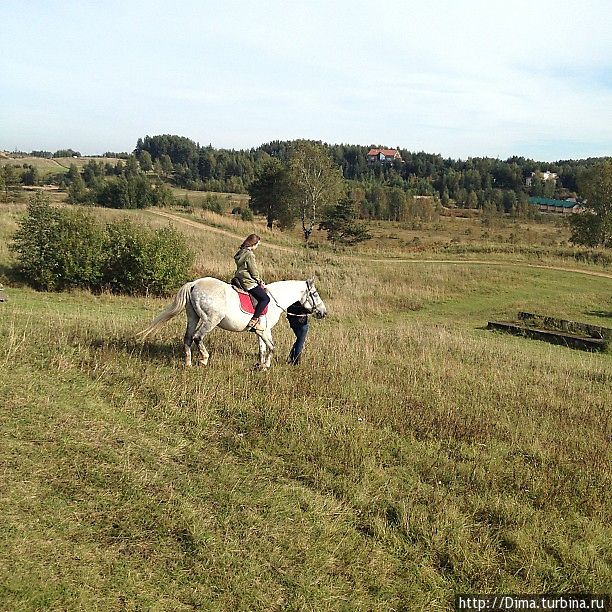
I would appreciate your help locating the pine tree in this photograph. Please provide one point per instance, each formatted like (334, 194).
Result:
(341, 225)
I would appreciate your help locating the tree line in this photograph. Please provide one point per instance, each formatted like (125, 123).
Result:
(303, 180)
(124, 185)
(286, 179)
(473, 183)
(468, 182)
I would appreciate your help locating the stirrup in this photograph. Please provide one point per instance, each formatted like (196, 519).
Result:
(255, 325)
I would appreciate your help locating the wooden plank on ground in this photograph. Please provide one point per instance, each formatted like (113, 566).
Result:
(556, 337)
(571, 327)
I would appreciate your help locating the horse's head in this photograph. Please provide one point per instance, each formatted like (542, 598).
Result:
(311, 300)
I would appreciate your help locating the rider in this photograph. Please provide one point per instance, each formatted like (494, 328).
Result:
(249, 279)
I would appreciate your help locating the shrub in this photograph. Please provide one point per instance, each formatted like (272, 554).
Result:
(126, 192)
(62, 249)
(58, 249)
(163, 195)
(215, 203)
(140, 260)
(78, 192)
(246, 214)
(341, 225)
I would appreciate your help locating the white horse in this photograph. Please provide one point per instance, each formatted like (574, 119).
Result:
(212, 303)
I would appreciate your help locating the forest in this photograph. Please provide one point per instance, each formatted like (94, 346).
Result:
(470, 183)
(379, 190)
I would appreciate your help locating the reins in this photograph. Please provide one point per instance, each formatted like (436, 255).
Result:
(290, 314)
(276, 302)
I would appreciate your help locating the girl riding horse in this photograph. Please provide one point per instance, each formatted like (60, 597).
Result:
(248, 277)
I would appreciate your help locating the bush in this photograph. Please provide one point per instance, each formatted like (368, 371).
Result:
(246, 214)
(58, 249)
(215, 203)
(63, 249)
(163, 195)
(140, 260)
(126, 192)
(341, 225)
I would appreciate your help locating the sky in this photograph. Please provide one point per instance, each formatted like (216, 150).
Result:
(467, 78)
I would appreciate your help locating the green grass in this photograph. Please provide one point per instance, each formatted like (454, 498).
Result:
(412, 456)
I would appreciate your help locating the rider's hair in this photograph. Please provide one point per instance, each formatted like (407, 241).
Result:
(250, 240)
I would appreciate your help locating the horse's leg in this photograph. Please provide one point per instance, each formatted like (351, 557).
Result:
(207, 324)
(192, 323)
(270, 347)
(262, 353)
(204, 354)
(266, 337)
(266, 348)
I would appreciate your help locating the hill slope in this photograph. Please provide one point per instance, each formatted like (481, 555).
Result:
(412, 456)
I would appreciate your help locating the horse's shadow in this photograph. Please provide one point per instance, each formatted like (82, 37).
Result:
(161, 352)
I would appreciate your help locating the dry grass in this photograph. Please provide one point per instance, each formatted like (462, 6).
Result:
(551, 231)
(55, 165)
(411, 456)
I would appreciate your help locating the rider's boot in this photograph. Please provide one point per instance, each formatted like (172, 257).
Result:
(255, 325)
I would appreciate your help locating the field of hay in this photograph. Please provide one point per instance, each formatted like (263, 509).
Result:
(413, 455)
(56, 165)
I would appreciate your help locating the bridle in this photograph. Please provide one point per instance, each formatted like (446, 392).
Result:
(312, 294)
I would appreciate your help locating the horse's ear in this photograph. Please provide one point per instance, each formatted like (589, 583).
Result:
(312, 279)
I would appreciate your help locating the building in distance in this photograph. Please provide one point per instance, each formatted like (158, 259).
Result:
(543, 176)
(383, 156)
(564, 207)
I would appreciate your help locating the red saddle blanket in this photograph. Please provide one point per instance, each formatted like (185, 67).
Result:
(247, 304)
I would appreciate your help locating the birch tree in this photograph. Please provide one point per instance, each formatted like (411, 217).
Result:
(316, 180)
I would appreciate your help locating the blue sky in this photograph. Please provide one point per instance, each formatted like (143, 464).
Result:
(469, 78)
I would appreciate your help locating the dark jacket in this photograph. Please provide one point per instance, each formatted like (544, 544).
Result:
(296, 314)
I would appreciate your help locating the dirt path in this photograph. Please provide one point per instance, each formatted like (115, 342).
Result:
(214, 230)
(58, 164)
(478, 262)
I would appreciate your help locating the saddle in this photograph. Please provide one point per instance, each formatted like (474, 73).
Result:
(247, 301)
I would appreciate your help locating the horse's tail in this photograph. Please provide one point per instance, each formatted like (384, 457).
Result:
(180, 301)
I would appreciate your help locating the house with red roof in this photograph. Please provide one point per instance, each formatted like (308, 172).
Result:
(384, 155)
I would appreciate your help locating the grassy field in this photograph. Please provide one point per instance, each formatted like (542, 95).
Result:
(412, 456)
(196, 198)
(56, 165)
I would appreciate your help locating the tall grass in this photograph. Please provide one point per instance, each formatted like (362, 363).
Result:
(411, 456)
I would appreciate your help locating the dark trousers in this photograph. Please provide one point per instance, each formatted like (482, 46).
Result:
(300, 330)
(263, 299)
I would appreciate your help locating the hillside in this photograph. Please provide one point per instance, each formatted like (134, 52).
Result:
(412, 456)
(56, 165)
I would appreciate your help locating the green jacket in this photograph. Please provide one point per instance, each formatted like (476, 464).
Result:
(246, 269)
